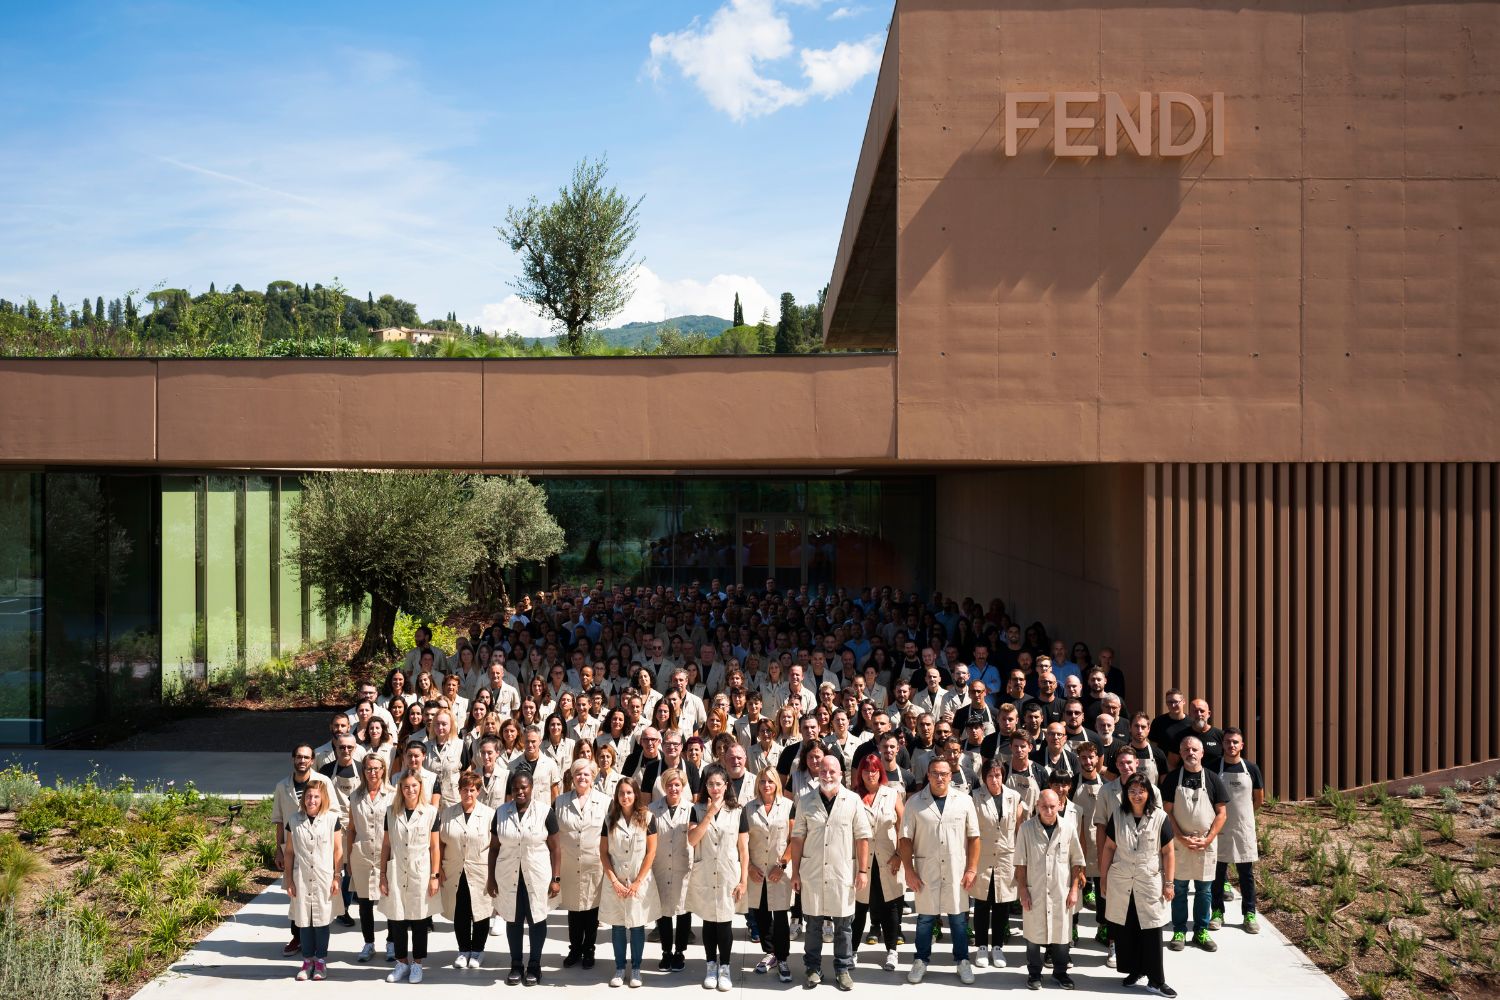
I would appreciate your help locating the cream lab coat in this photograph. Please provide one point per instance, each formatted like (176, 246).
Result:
(1049, 863)
(409, 873)
(466, 853)
(523, 855)
(939, 845)
(827, 869)
(578, 824)
(367, 815)
(312, 840)
(1135, 872)
(627, 852)
(492, 792)
(445, 761)
(884, 841)
(285, 804)
(997, 843)
(716, 867)
(770, 830)
(674, 859)
(1085, 799)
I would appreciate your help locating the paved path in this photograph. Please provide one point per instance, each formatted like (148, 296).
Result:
(246, 775)
(242, 959)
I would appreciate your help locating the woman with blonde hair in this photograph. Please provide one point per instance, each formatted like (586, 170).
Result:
(362, 843)
(578, 815)
(769, 816)
(410, 859)
(627, 849)
(607, 777)
(464, 838)
(674, 861)
(314, 855)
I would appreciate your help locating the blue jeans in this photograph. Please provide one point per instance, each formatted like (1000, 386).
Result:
(637, 946)
(1202, 905)
(958, 927)
(314, 942)
(843, 944)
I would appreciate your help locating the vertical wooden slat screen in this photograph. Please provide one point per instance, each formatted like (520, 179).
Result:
(1343, 614)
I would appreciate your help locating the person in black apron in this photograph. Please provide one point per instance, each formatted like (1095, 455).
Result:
(1238, 845)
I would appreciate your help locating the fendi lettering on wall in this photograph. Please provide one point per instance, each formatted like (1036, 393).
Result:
(1169, 123)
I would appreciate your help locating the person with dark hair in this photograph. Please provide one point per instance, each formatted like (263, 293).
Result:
(627, 849)
(1000, 815)
(314, 848)
(1137, 863)
(464, 837)
(524, 875)
(1238, 845)
(940, 852)
(720, 839)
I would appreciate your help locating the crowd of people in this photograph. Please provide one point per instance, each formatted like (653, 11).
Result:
(814, 763)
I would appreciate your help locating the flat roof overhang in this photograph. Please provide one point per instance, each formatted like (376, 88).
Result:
(860, 311)
(807, 412)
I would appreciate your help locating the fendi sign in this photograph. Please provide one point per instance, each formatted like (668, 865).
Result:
(1181, 123)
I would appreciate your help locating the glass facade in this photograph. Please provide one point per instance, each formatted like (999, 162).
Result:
(673, 530)
(117, 588)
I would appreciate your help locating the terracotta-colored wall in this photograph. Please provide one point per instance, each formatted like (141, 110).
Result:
(815, 412)
(1343, 614)
(1060, 544)
(1327, 289)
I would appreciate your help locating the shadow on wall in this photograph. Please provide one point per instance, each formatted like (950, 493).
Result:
(993, 222)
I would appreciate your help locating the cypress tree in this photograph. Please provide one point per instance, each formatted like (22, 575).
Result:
(739, 311)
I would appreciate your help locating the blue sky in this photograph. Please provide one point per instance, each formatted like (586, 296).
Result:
(167, 143)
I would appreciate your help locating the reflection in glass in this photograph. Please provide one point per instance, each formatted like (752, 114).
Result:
(20, 607)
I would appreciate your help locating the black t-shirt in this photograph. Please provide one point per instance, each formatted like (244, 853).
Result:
(699, 810)
(1166, 830)
(1244, 766)
(1052, 711)
(604, 830)
(1167, 732)
(1218, 794)
(337, 825)
(1151, 750)
(1213, 745)
(437, 819)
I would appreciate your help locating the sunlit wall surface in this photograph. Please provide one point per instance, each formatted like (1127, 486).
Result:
(673, 530)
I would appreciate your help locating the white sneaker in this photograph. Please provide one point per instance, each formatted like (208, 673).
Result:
(617, 980)
(965, 973)
(476, 959)
(635, 979)
(1111, 960)
(724, 984)
(711, 977)
(890, 960)
(918, 970)
(462, 961)
(997, 958)
(399, 973)
(366, 953)
(416, 974)
(981, 958)
(796, 928)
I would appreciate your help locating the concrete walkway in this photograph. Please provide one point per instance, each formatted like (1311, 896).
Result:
(242, 959)
(240, 775)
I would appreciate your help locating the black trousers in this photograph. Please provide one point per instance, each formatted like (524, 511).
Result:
(718, 940)
(673, 932)
(991, 920)
(884, 915)
(583, 931)
(1246, 872)
(418, 931)
(1137, 948)
(367, 919)
(471, 933)
(1036, 954)
(775, 926)
(515, 931)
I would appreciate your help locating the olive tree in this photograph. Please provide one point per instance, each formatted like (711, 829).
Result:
(411, 540)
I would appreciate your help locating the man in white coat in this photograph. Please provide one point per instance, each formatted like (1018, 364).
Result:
(830, 849)
(1049, 877)
(939, 848)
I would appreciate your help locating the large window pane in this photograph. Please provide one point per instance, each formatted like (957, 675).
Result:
(257, 574)
(641, 512)
(703, 538)
(581, 506)
(182, 637)
(221, 590)
(133, 621)
(20, 607)
(77, 525)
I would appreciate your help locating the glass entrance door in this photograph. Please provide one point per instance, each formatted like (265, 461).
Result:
(772, 546)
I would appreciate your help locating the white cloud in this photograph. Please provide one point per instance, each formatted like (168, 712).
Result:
(725, 56)
(832, 71)
(843, 13)
(654, 298)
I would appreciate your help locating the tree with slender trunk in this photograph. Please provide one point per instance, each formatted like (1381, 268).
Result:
(576, 265)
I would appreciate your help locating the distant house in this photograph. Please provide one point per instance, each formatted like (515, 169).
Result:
(390, 334)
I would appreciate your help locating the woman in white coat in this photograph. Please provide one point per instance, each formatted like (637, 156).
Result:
(409, 862)
(720, 839)
(314, 856)
(523, 875)
(1137, 862)
(464, 836)
(363, 838)
(627, 849)
(1000, 813)
(674, 861)
(579, 816)
(769, 816)
(880, 900)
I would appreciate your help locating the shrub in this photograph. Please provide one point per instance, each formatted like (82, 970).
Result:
(444, 637)
(17, 865)
(1445, 826)
(1373, 984)
(57, 959)
(17, 788)
(1415, 792)
(1442, 875)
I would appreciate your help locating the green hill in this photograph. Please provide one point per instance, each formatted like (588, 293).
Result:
(634, 334)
